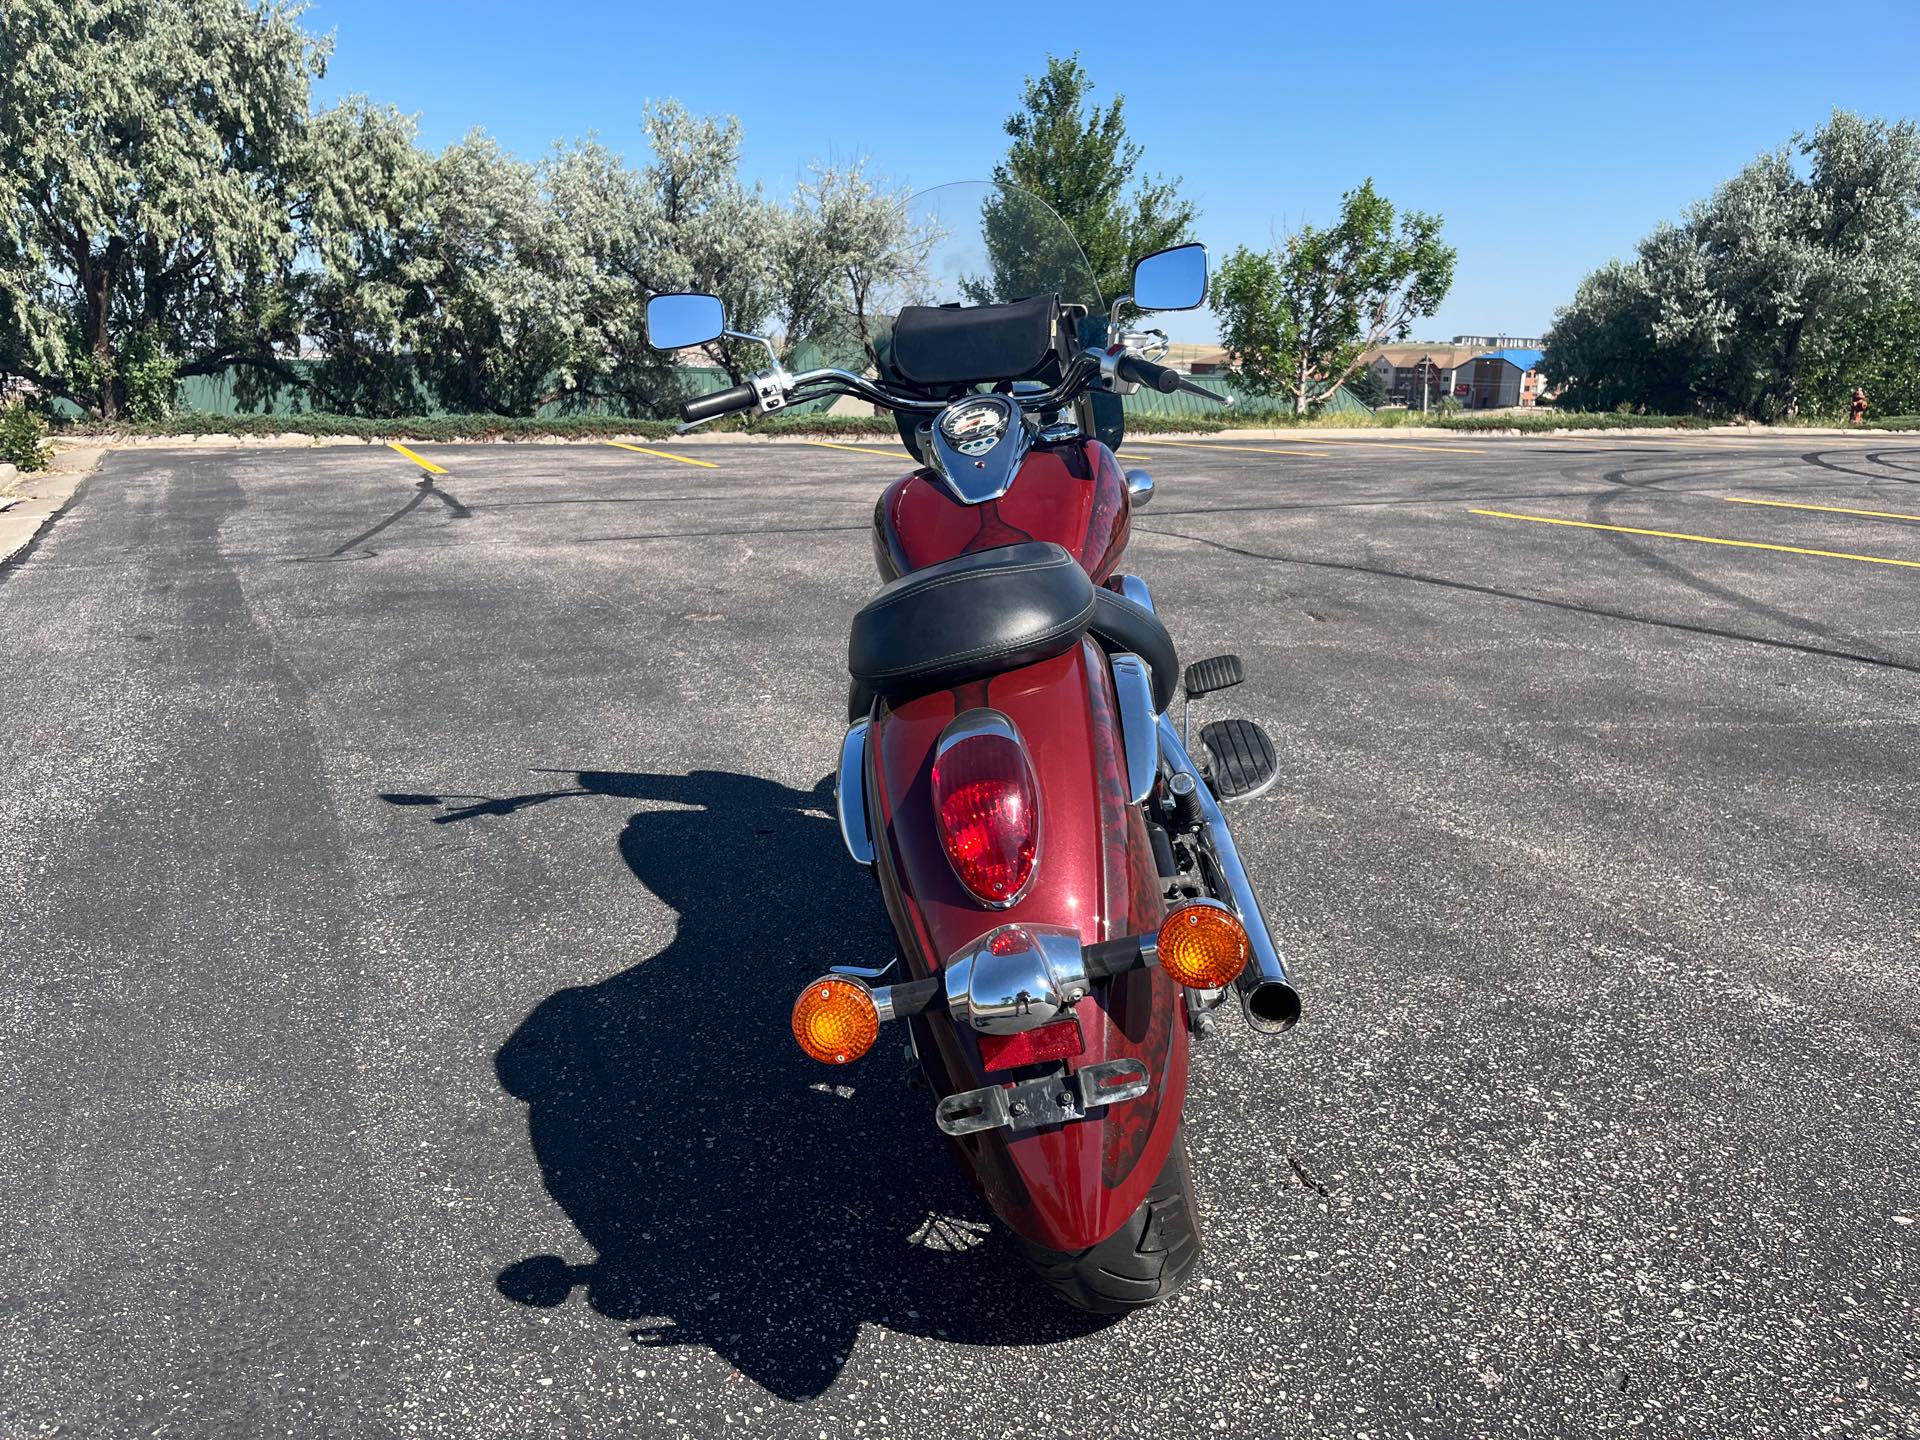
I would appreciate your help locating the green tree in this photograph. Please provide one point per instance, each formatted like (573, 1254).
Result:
(1367, 387)
(1078, 158)
(368, 210)
(145, 154)
(702, 229)
(23, 436)
(1881, 356)
(1295, 320)
(496, 285)
(503, 326)
(1767, 295)
(848, 254)
(1602, 352)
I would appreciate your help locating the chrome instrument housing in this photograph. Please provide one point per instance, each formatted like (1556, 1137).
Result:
(976, 445)
(1016, 977)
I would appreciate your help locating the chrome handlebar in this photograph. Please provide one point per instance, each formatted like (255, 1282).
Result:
(776, 388)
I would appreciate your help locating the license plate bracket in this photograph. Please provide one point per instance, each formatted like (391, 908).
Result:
(1049, 1100)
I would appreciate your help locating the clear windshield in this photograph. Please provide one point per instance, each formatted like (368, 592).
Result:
(972, 243)
(991, 243)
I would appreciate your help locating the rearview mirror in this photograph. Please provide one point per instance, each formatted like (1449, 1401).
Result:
(1173, 279)
(676, 321)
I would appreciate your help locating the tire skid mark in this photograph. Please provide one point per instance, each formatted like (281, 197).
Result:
(1665, 562)
(1570, 606)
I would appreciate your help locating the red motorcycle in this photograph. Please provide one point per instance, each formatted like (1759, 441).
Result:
(1068, 902)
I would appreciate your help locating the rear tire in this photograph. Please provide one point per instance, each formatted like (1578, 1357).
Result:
(1145, 1260)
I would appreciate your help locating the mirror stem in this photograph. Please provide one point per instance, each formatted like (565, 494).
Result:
(772, 354)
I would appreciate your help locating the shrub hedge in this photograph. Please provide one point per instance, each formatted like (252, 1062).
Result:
(494, 427)
(593, 427)
(22, 438)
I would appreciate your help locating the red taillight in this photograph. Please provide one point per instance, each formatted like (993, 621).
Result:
(1058, 1041)
(987, 802)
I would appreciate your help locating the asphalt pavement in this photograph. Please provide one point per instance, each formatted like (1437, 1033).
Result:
(405, 873)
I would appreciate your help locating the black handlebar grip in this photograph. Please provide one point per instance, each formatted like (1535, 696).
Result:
(721, 402)
(1145, 372)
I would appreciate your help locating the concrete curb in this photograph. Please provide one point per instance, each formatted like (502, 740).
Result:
(43, 495)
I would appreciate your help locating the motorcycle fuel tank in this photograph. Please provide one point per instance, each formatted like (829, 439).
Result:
(1072, 493)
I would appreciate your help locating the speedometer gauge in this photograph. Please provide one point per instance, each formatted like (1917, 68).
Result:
(974, 427)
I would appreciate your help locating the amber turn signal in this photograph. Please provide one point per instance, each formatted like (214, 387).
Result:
(835, 1020)
(1203, 945)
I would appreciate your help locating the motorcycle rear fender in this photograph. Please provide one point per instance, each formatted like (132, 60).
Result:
(1065, 1186)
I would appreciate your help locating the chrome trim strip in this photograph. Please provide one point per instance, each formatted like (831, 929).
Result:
(854, 829)
(1267, 996)
(1133, 688)
(1135, 589)
(981, 720)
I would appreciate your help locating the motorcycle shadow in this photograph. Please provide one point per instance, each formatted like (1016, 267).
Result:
(735, 1194)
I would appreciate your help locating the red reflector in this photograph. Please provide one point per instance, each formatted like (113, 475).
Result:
(987, 802)
(1058, 1041)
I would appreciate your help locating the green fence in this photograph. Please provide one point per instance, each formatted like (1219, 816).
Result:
(234, 392)
(1152, 402)
(237, 392)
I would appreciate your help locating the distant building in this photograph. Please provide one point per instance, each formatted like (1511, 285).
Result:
(1500, 380)
(1474, 378)
(1404, 371)
(1196, 359)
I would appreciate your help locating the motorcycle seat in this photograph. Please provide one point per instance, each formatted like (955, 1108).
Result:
(973, 616)
(989, 612)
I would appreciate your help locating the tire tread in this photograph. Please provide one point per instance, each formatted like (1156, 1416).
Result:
(1144, 1261)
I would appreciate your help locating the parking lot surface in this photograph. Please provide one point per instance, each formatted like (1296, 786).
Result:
(407, 861)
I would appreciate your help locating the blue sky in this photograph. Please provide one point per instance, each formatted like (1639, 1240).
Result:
(1550, 137)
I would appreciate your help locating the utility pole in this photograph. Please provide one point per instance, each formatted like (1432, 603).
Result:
(1426, 381)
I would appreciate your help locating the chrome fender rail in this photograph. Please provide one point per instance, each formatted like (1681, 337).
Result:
(850, 794)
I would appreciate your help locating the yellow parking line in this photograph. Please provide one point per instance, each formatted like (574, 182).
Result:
(1830, 509)
(663, 455)
(1250, 449)
(1118, 456)
(872, 452)
(1701, 539)
(420, 460)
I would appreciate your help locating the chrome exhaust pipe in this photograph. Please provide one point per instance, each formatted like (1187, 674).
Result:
(1267, 996)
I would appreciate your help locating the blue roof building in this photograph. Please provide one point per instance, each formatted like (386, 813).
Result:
(1521, 360)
